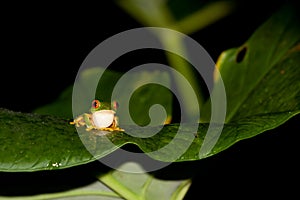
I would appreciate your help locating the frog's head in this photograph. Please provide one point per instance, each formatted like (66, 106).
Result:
(97, 105)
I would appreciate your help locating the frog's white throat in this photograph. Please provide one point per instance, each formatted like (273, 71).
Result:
(103, 118)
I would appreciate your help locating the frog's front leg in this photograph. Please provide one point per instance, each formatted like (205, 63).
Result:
(79, 121)
(83, 120)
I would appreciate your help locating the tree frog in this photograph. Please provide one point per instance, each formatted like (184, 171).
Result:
(101, 117)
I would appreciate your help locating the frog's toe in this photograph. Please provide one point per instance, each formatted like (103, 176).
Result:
(106, 129)
(119, 129)
(89, 128)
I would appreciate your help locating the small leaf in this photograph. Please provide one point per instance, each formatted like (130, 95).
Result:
(143, 186)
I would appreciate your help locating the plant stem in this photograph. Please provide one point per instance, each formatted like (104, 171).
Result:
(181, 190)
(118, 187)
(190, 105)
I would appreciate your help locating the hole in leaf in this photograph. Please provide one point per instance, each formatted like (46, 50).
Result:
(241, 54)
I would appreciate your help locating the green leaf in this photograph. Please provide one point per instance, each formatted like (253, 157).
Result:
(45, 142)
(143, 186)
(152, 146)
(31, 142)
(262, 75)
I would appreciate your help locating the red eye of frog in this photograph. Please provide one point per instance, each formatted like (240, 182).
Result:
(96, 104)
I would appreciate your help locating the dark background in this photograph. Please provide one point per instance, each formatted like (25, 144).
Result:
(44, 45)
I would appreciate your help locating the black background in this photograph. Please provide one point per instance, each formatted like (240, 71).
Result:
(44, 45)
